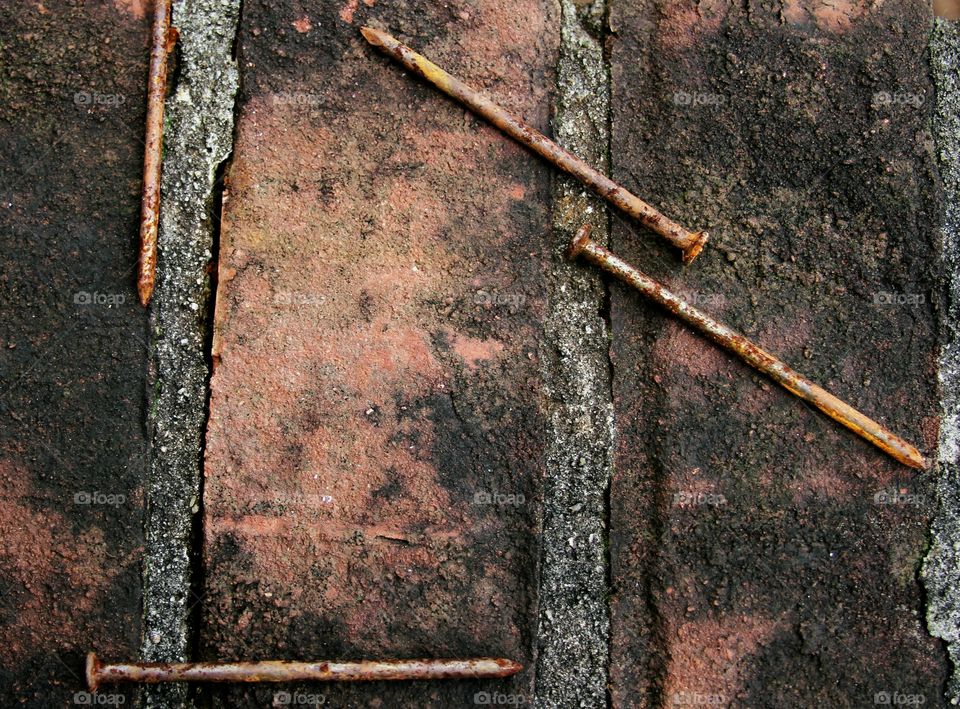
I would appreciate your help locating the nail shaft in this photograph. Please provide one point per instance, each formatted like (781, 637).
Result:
(285, 671)
(690, 243)
(750, 353)
(161, 43)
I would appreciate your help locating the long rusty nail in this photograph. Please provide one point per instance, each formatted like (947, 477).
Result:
(750, 353)
(162, 40)
(288, 671)
(691, 243)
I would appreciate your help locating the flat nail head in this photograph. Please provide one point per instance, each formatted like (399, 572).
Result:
(579, 243)
(93, 671)
(692, 251)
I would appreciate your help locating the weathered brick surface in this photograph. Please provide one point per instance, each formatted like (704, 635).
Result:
(376, 349)
(72, 443)
(799, 135)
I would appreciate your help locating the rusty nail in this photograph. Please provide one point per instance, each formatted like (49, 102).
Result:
(750, 353)
(691, 243)
(288, 671)
(162, 41)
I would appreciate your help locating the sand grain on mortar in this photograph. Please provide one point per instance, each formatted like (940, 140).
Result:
(573, 632)
(941, 564)
(198, 136)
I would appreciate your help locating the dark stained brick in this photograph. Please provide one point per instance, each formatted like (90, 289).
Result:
(799, 136)
(72, 338)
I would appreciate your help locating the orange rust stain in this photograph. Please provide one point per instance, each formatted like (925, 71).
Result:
(473, 351)
(947, 9)
(43, 558)
(929, 431)
(137, 8)
(795, 12)
(517, 192)
(302, 24)
(699, 357)
(823, 483)
(682, 27)
(710, 655)
(346, 12)
(695, 482)
(838, 15)
(834, 16)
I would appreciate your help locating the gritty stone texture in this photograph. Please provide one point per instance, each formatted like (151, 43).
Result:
(376, 444)
(573, 624)
(942, 566)
(761, 555)
(72, 345)
(198, 138)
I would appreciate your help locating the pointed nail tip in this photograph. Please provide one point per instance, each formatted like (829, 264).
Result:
(511, 668)
(373, 36)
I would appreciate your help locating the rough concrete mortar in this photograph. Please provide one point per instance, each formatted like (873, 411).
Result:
(942, 567)
(198, 138)
(573, 620)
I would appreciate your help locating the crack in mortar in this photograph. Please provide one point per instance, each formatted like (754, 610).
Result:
(572, 655)
(198, 140)
(941, 571)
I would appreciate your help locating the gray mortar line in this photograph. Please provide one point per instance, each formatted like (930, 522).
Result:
(941, 570)
(572, 654)
(198, 138)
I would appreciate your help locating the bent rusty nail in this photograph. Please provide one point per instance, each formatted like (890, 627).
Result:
(288, 671)
(162, 40)
(690, 243)
(750, 353)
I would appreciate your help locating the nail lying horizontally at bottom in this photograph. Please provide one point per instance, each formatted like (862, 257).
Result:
(734, 342)
(289, 671)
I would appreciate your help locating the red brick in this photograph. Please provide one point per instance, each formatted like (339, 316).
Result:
(376, 348)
